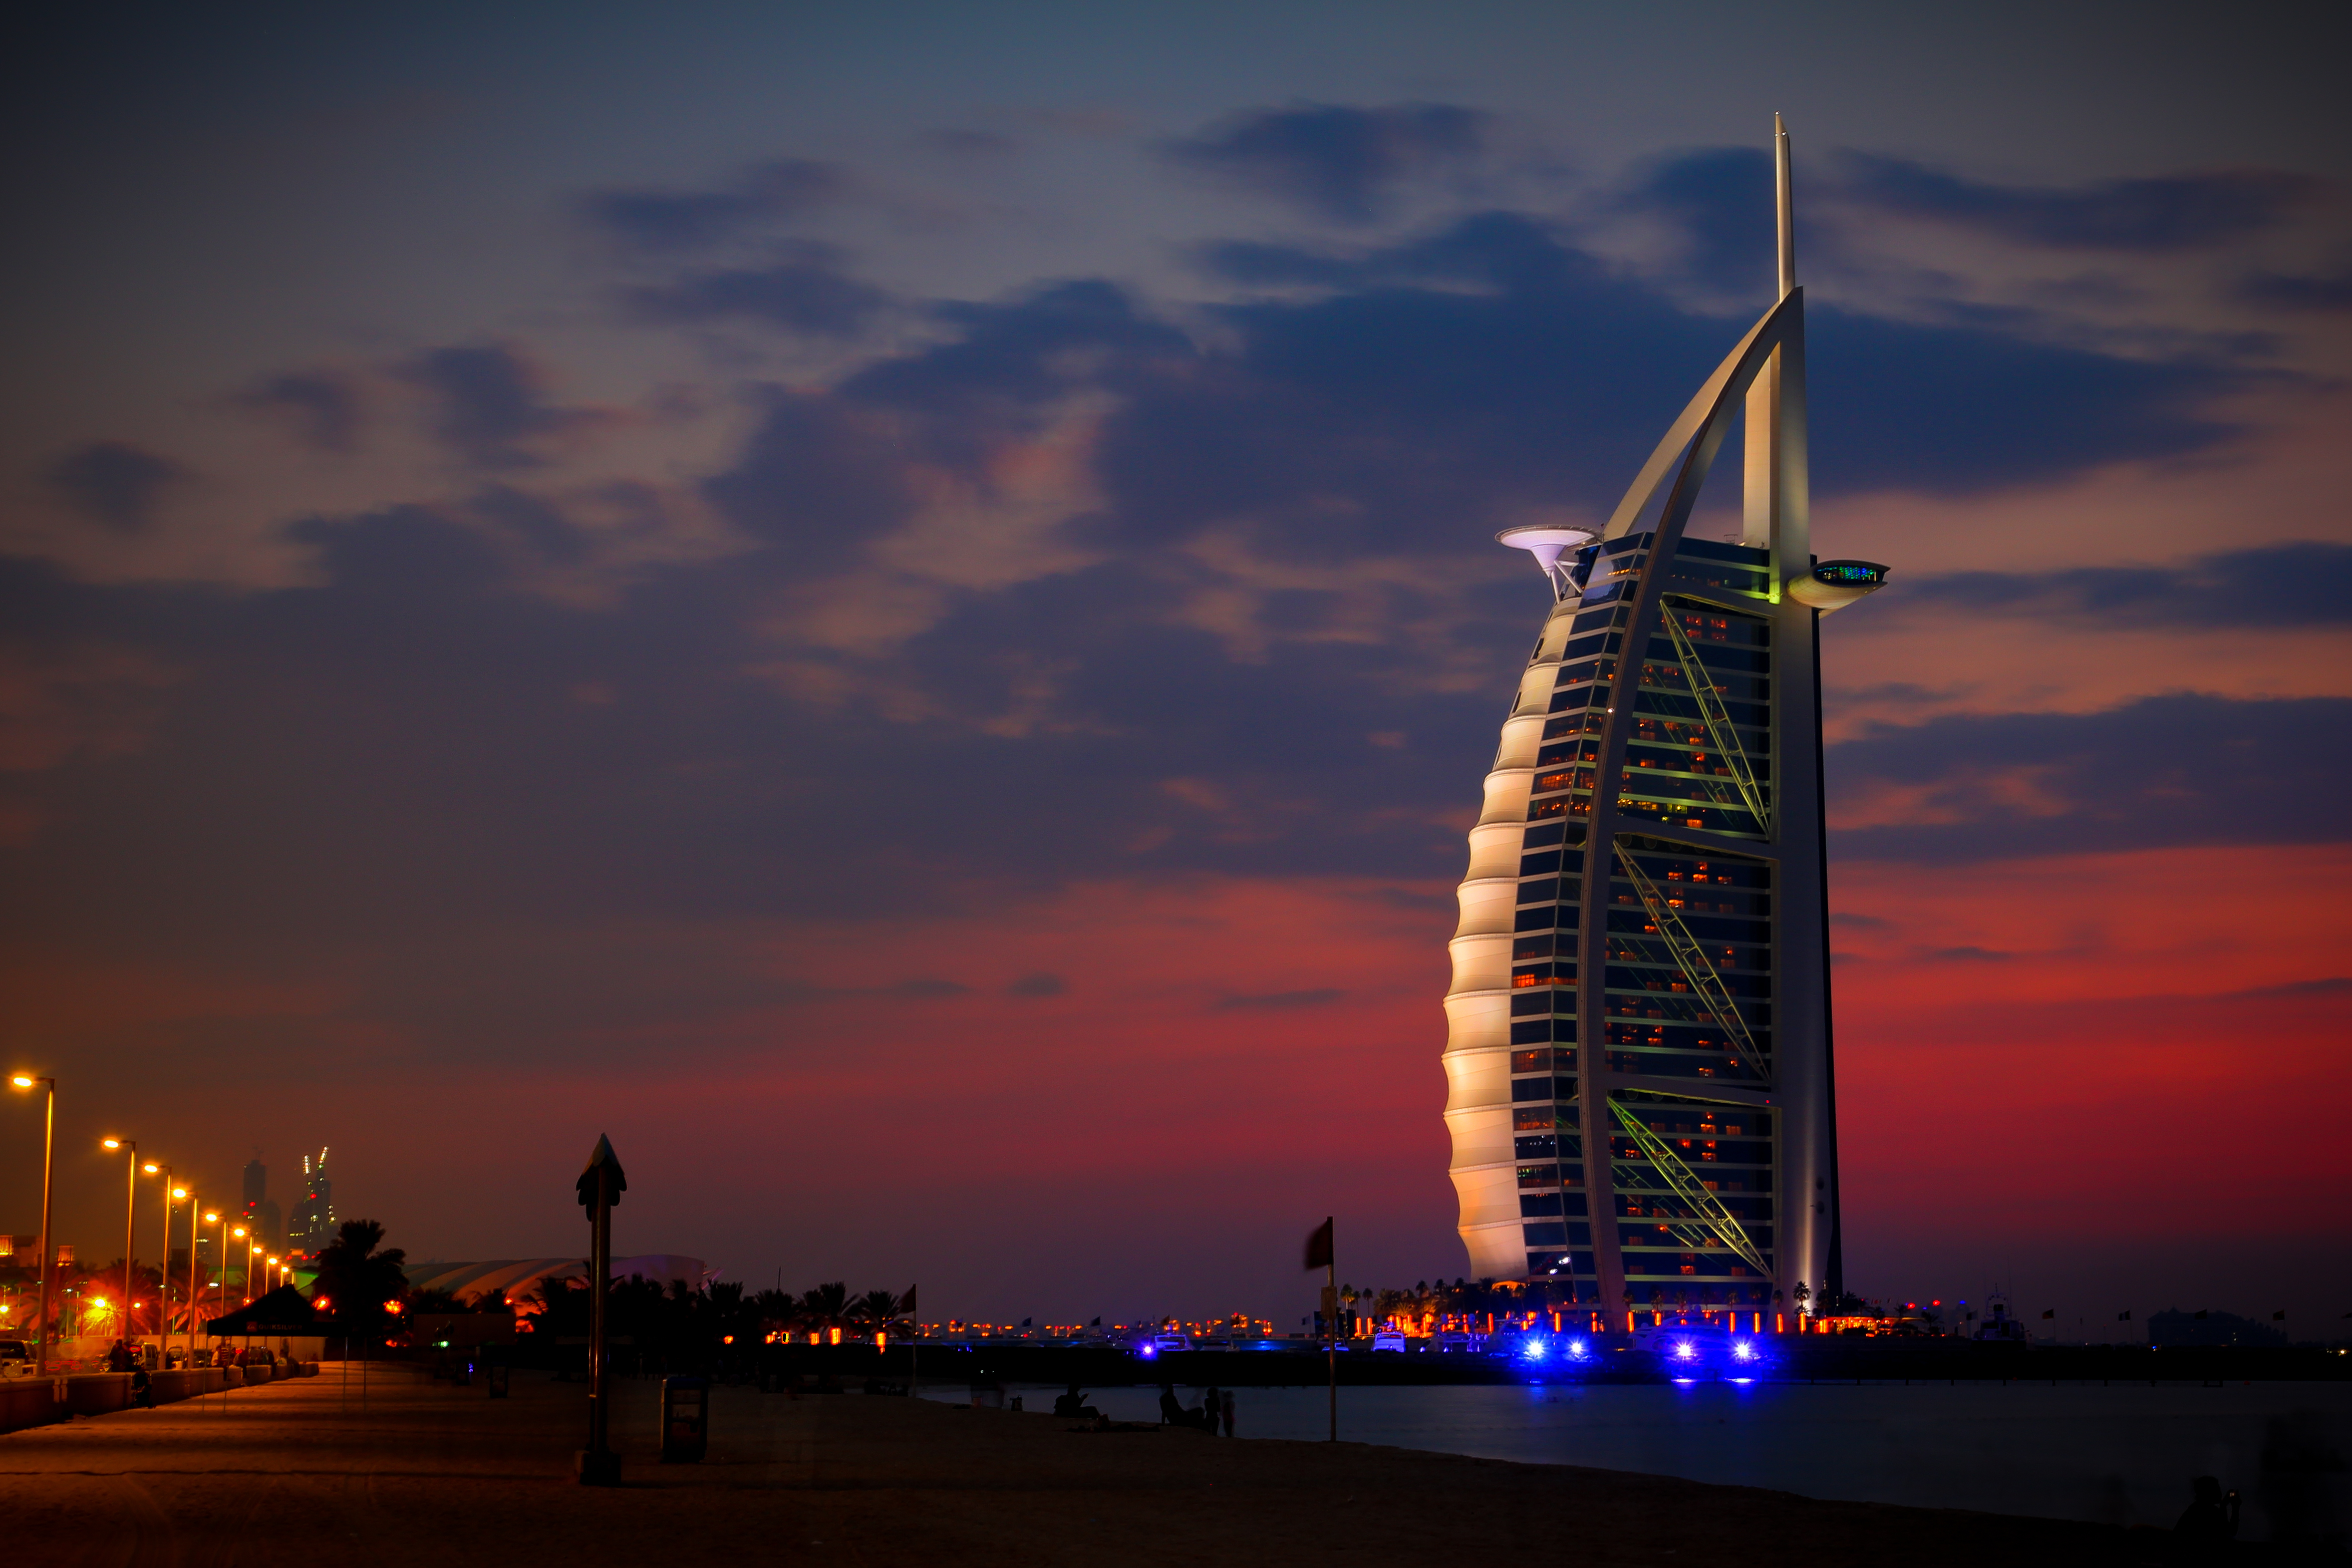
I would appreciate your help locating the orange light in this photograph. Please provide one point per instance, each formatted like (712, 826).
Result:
(179, 1192)
(211, 1219)
(21, 1081)
(111, 1142)
(152, 1168)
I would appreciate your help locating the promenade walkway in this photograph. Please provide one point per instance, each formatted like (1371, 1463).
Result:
(432, 1475)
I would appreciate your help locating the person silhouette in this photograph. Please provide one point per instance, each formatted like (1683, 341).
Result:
(2211, 1516)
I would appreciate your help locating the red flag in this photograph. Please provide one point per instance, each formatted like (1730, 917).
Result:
(1318, 1246)
(907, 1303)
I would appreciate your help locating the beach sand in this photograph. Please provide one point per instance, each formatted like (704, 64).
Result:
(436, 1474)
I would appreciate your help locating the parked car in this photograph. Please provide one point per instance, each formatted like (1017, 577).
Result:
(1389, 1339)
(1162, 1344)
(16, 1358)
(1455, 1340)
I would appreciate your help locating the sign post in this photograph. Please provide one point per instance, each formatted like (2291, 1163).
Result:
(600, 1187)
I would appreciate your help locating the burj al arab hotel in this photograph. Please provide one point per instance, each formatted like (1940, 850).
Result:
(1639, 1060)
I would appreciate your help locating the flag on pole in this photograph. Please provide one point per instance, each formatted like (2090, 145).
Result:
(2049, 1311)
(2123, 1317)
(907, 1303)
(2278, 1316)
(1318, 1246)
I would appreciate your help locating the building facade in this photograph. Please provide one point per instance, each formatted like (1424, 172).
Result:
(312, 1224)
(1640, 1053)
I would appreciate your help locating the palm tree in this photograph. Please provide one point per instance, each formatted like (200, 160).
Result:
(826, 1306)
(358, 1283)
(875, 1309)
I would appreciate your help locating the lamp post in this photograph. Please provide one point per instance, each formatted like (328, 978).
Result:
(48, 1162)
(226, 1232)
(163, 1261)
(195, 1212)
(130, 1227)
(220, 1256)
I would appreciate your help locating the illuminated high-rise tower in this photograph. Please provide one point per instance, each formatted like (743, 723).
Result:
(1642, 1098)
(313, 1225)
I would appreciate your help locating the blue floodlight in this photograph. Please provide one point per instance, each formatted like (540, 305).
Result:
(1576, 1347)
(1685, 1350)
(1744, 1351)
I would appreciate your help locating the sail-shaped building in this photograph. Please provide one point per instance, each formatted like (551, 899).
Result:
(1639, 1055)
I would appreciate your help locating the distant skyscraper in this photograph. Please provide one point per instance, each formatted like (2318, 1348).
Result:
(261, 1214)
(313, 1222)
(1641, 1101)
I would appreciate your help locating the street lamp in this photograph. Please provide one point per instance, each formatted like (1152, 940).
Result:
(164, 1260)
(130, 1226)
(221, 1251)
(49, 1161)
(195, 1211)
(221, 1256)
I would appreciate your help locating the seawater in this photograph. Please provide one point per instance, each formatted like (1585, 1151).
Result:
(2117, 1453)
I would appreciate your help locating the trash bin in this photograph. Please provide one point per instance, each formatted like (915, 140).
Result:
(686, 1419)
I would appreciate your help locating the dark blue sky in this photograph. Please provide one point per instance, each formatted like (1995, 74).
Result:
(897, 610)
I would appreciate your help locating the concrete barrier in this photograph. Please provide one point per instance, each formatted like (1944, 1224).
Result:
(37, 1402)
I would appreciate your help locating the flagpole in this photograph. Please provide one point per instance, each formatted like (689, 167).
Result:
(1331, 1323)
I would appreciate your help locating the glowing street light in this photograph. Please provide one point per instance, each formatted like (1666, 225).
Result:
(129, 1224)
(164, 1255)
(220, 1254)
(172, 1194)
(48, 1162)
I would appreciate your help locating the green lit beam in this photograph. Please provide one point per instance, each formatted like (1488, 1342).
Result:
(1717, 718)
(1692, 960)
(1685, 1184)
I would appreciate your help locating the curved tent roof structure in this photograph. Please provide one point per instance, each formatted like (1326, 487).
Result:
(517, 1278)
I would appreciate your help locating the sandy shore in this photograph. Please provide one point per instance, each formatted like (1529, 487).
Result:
(294, 1472)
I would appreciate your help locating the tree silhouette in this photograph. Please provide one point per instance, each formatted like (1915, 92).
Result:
(826, 1306)
(356, 1281)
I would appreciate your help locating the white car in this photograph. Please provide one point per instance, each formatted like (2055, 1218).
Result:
(1455, 1340)
(1389, 1339)
(1162, 1345)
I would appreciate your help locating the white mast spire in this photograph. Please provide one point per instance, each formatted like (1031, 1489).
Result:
(1787, 218)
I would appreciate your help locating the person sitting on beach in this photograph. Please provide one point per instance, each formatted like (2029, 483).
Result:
(1071, 1403)
(2210, 1517)
(1211, 1407)
(1171, 1414)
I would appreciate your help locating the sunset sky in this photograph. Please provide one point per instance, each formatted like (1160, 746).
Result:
(894, 605)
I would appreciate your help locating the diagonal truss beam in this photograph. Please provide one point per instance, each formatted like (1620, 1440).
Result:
(1692, 960)
(1684, 1184)
(1717, 718)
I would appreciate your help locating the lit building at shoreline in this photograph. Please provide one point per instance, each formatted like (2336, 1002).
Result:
(1639, 1060)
